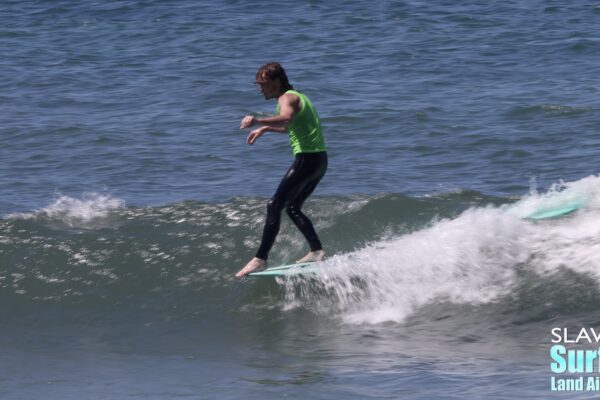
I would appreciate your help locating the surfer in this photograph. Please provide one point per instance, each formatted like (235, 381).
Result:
(296, 115)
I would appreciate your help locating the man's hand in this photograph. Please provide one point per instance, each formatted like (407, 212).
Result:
(247, 122)
(255, 134)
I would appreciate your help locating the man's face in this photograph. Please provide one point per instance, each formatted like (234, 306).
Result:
(267, 87)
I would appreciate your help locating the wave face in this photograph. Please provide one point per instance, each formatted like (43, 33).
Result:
(392, 257)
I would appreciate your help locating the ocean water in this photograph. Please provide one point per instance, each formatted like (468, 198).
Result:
(130, 199)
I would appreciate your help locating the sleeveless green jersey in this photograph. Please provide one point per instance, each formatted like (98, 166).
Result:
(305, 128)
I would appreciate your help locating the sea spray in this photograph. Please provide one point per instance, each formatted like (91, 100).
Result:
(75, 212)
(467, 259)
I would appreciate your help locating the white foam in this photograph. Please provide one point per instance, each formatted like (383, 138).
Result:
(470, 259)
(75, 211)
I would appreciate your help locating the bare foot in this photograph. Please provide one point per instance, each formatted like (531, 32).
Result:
(253, 265)
(312, 256)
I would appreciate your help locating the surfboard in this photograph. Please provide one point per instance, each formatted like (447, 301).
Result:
(290, 269)
(556, 211)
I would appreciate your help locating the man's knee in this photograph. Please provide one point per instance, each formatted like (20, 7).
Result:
(292, 210)
(274, 206)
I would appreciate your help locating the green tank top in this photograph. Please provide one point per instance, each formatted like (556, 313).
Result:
(305, 128)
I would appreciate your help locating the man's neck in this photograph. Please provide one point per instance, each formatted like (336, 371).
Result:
(281, 93)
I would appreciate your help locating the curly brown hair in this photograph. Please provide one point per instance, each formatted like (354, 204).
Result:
(272, 71)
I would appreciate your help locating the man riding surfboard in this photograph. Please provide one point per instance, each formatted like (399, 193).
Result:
(296, 115)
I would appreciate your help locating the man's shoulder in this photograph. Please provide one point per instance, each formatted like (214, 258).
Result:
(291, 95)
(292, 98)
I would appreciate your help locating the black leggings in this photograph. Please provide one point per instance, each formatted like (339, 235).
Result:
(295, 187)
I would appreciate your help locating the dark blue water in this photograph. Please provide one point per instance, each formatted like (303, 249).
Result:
(129, 198)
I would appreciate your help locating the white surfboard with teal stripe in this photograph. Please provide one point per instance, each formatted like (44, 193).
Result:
(554, 207)
(555, 212)
(290, 269)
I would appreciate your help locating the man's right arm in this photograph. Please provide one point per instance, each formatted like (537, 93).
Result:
(287, 110)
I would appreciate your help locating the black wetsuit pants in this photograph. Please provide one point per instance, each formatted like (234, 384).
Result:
(295, 187)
